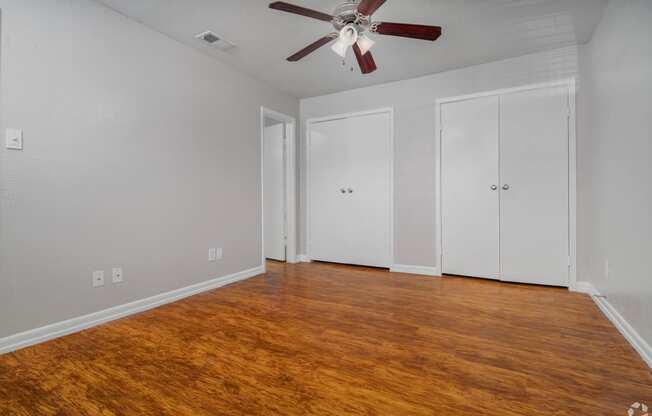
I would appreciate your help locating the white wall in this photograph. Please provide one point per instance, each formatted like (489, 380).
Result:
(139, 152)
(615, 202)
(414, 105)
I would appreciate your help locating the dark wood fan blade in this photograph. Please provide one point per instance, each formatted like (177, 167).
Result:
(409, 31)
(366, 61)
(311, 48)
(291, 8)
(369, 7)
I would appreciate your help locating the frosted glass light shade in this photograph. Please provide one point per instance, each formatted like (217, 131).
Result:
(365, 44)
(340, 48)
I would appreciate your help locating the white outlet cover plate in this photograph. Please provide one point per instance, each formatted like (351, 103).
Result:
(117, 275)
(212, 254)
(98, 278)
(14, 138)
(219, 254)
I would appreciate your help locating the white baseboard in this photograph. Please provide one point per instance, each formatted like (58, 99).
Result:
(303, 258)
(586, 287)
(60, 329)
(422, 270)
(634, 338)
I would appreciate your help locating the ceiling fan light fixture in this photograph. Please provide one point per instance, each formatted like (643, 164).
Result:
(349, 34)
(348, 37)
(340, 48)
(365, 44)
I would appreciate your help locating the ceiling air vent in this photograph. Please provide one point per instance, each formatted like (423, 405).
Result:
(215, 41)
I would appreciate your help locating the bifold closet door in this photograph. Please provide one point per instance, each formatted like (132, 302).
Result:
(369, 188)
(534, 238)
(330, 219)
(470, 193)
(350, 190)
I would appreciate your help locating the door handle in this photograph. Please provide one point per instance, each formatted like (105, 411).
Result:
(494, 187)
(350, 190)
(505, 187)
(342, 190)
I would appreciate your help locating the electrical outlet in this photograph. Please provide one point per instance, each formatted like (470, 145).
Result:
(117, 275)
(219, 254)
(98, 278)
(212, 254)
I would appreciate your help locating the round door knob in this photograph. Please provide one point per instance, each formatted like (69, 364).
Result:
(494, 187)
(506, 187)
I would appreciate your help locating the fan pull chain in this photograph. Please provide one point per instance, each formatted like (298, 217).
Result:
(344, 65)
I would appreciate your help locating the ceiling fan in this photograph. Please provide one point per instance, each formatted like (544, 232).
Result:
(352, 20)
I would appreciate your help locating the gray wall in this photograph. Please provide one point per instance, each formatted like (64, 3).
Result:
(139, 152)
(616, 165)
(414, 142)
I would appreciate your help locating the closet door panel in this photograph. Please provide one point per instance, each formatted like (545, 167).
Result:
(534, 168)
(368, 190)
(330, 222)
(470, 207)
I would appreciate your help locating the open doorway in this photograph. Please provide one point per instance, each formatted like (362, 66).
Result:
(278, 186)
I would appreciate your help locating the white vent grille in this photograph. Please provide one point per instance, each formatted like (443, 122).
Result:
(215, 40)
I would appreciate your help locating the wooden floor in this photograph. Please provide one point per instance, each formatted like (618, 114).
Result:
(319, 339)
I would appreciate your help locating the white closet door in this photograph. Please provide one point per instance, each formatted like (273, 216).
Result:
(349, 181)
(329, 204)
(470, 199)
(274, 181)
(368, 189)
(534, 168)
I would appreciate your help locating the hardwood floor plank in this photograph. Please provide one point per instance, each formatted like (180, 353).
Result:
(324, 339)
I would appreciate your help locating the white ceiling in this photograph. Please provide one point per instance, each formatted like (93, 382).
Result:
(475, 31)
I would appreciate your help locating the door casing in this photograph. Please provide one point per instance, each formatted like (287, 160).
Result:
(290, 182)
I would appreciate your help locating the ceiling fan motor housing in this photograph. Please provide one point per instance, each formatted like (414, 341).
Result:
(347, 14)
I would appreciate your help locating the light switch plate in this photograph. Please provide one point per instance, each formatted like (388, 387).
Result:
(14, 138)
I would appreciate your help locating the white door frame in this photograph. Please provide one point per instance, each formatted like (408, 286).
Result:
(290, 182)
(309, 123)
(572, 165)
